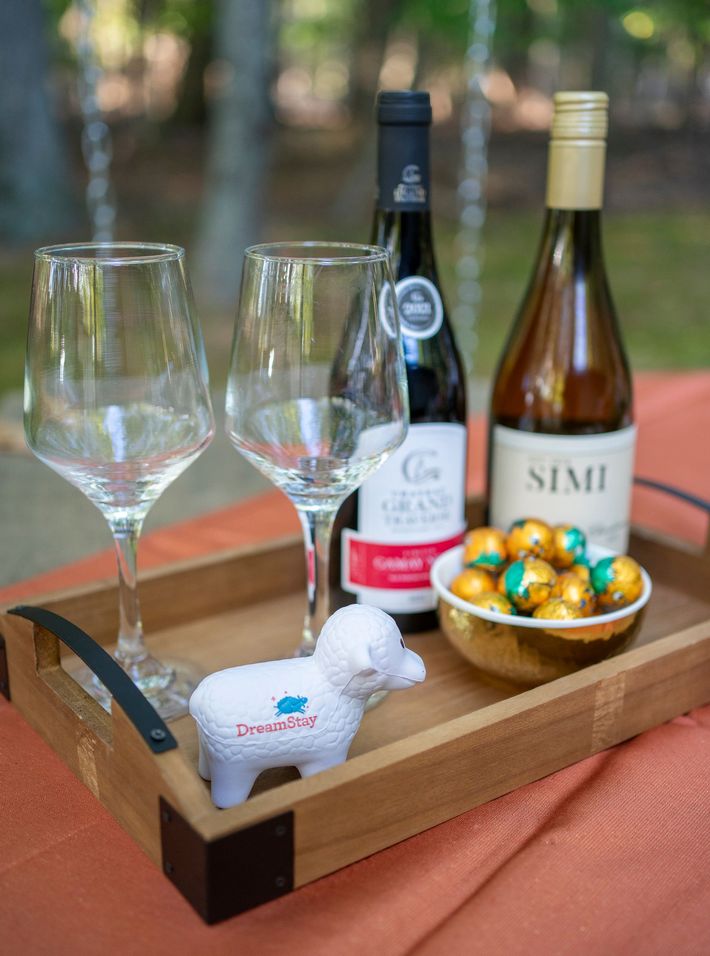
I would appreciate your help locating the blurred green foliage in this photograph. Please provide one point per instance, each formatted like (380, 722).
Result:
(650, 258)
(307, 25)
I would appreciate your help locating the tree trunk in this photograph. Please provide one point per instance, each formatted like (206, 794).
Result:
(239, 119)
(35, 192)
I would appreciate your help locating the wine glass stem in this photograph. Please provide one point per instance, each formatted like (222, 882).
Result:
(131, 647)
(317, 532)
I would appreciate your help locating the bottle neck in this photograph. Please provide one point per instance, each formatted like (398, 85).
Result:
(575, 174)
(571, 243)
(407, 237)
(403, 183)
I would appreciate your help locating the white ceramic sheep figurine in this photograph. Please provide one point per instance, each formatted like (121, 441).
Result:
(302, 712)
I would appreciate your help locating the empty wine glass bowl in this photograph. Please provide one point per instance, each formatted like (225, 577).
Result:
(316, 397)
(117, 402)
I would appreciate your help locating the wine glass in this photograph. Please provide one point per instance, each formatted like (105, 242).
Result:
(117, 402)
(317, 395)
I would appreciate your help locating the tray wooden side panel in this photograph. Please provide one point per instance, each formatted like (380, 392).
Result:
(104, 751)
(389, 794)
(187, 590)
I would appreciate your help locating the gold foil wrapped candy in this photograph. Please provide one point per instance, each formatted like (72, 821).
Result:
(485, 548)
(617, 582)
(529, 537)
(582, 571)
(570, 545)
(472, 582)
(492, 601)
(557, 609)
(571, 588)
(528, 583)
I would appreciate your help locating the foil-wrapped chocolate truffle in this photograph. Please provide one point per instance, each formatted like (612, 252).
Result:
(582, 569)
(485, 548)
(570, 544)
(530, 537)
(617, 582)
(528, 583)
(557, 609)
(571, 588)
(492, 601)
(472, 582)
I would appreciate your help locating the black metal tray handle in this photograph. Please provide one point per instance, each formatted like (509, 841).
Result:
(134, 704)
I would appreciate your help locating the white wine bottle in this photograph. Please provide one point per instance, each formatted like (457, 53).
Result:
(389, 533)
(561, 439)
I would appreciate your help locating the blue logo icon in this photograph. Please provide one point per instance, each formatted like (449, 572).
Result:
(291, 705)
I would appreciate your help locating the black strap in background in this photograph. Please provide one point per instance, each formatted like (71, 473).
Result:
(135, 705)
(674, 492)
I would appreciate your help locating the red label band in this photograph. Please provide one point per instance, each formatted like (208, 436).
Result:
(393, 566)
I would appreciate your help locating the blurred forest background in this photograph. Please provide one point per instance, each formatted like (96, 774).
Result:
(224, 122)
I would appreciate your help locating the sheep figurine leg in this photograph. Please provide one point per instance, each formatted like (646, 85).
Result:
(300, 712)
(232, 783)
(203, 764)
(323, 762)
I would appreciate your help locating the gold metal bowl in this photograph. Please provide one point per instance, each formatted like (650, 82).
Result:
(526, 650)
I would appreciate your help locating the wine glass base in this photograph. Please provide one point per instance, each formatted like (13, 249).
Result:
(167, 685)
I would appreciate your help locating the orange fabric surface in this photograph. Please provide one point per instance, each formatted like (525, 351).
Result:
(608, 856)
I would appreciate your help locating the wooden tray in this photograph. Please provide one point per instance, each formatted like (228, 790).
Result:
(420, 758)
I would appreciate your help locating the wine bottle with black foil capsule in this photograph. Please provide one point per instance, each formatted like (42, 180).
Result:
(561, 438)
(412, 509)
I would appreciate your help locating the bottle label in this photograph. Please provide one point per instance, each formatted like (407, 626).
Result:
(420, 308)
(409, 512)
(403, 168)
(583, 480)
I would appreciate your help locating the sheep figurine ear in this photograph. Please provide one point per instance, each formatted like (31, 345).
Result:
(359, 659)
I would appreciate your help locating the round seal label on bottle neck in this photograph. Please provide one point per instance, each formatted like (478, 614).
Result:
(421, 311)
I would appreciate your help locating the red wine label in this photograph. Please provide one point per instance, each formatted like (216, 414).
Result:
(375, 564)
(409, 512)
(583, 480)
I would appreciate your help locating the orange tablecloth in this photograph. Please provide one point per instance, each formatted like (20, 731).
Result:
(611, 855)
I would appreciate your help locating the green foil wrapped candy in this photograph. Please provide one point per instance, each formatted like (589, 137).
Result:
(617, 582)
(485, 548)
(529, 583)
(570, 545)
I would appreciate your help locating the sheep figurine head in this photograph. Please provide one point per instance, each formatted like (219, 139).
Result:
(360, 649)
(301, 712)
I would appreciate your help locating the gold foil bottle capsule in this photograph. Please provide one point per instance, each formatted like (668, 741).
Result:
(557, 609)
(485, 548)
(617, 582)
(571, 588)
(472, 582)
(529, 583)
(530, 537)
(570, 545)
(492, 601)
